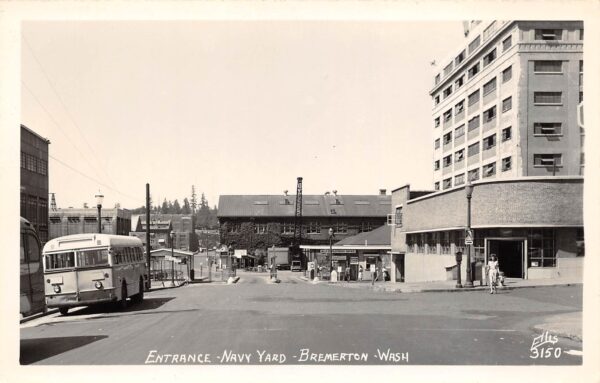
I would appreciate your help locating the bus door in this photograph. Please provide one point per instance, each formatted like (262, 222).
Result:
(32, 273)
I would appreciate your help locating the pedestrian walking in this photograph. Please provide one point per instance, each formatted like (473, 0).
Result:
(373, 274)
(492, 272)
(347, 274)
(360, 273)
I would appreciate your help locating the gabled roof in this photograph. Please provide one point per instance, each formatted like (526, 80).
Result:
(380, 236)
(312, 206)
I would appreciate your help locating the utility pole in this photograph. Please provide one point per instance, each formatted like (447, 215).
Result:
(148, 283)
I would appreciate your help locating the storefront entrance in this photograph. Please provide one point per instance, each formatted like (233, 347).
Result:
(511, 256)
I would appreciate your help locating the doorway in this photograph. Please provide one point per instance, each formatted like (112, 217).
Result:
(511, 256)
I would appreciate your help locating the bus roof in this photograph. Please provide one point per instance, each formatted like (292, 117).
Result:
(79, 241)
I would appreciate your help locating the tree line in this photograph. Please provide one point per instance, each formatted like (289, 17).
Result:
(206, 217)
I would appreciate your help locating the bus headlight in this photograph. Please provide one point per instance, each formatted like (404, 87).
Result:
(57, 289)
(98, 285)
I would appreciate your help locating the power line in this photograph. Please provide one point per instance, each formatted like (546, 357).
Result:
(90, 178)
(65, 107)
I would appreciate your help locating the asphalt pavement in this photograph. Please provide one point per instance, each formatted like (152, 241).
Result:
(258, 322)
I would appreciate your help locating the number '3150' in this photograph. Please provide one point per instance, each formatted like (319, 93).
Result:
(546, 353)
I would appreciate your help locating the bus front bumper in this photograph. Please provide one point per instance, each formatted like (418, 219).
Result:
(83, 298)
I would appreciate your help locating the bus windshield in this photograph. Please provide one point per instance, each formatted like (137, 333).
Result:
(98, 257)
(85, 258)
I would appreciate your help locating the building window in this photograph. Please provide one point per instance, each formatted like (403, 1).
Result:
(489, 142)
(473, 70)
(506, 134)
(581, 34)
(313, 228)
(489, 30)
(436, 186)
(547, 66)
(459, 156)
(260, 228)
(437, 122)
(287, 228)
(548, 34)
(447, 183)
(460, 82)
(436, 100)
(43, 167)
(365, 227)
(473, 175)
(436, 165)
(448, 69)
(474, 98)
(473, 149)
(489, 114)
(507, 74)
(447, 91)
(473, 123)
(447, 138)
(507, 43)
(23, 160)
(489, 170)
(541, 249)
(399, 216)
(447, 161)
(459, 132)
(459, 179)
(547, 129)
(580, 97)
(340, 228)
(436, 143)
(489, 86)
(506, 164)
(459, 107)
(233, 228)
(487, 59)
(506, 104)
(474, 44)
(448, 115)
(461, 57)
(437, 79)
(544, 160)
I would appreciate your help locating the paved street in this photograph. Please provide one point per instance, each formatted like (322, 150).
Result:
(258, 322)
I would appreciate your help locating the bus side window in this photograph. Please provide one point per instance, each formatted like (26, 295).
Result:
(22, 258)
(33, 249)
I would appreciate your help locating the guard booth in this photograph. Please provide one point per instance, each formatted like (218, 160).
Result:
(167, 264)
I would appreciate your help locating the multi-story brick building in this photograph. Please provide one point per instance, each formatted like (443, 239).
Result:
(256, 222)
(505, 120)
(505, 103)
(161, 225)
(34, 181)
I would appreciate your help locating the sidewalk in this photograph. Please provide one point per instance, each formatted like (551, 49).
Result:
(564, 325)
(447, 286)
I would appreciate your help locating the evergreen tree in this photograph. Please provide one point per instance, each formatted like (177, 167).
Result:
(186, 209)
(176, 207)
(169, 207)
(194, 201)
(165, 207)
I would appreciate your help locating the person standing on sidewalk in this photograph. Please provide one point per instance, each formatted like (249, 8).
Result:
(492, 272)
(360, 273)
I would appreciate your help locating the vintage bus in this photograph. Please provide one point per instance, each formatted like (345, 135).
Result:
(32, 273)
(85, 269)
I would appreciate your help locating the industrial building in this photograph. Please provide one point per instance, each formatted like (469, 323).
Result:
(67, 221)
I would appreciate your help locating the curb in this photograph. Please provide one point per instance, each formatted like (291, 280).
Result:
(38, 315)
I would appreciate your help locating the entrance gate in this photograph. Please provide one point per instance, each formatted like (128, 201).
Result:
(511, 253)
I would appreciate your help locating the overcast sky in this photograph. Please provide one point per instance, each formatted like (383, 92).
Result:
(240, 107)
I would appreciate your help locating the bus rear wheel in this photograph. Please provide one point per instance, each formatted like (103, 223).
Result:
(139, 297)
(63, 310)
(123, 301)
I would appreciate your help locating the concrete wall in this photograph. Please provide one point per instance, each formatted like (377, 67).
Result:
(430, 267)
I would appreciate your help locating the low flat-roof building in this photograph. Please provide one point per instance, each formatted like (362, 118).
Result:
(534, 225)
(78, 221)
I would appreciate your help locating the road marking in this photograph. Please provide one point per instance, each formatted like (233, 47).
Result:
(574, 352)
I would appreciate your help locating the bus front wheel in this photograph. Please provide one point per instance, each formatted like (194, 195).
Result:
(63, 310)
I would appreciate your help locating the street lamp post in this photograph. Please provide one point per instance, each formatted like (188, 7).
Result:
(330, 262)
(99, 199)
(469, 192)
(172, 235)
